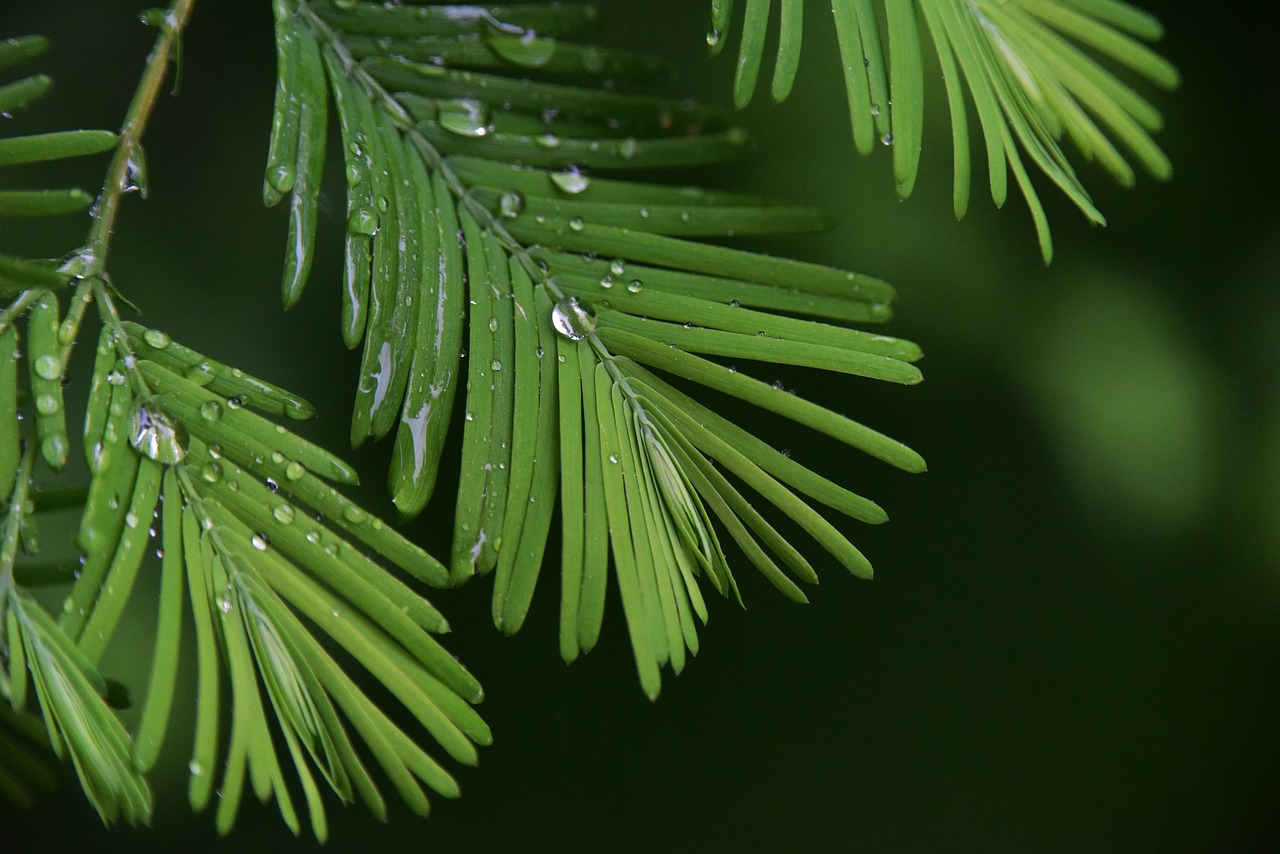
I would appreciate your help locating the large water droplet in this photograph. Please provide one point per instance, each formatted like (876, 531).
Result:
(364, 221)
(511, 204)
(157, 436)
(156, 338)
(571, 181)
(574, 318)
(465, 117)
(47, 367)
(48, 404)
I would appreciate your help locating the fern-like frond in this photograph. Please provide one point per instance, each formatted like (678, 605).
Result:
(287, 581)
(1035, 71)
(267, 552)
(492, 210)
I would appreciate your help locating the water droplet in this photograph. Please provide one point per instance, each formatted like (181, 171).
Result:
(47, 367)
(713, 37)
(156, 338)
(606, 282)
(294, 471)
(363, 221)
(628, 148)
(577, 224)
(511, 204)
(733, 303)
(155, 435)
(617, 267)
(48, 404)
(574, 318)
(212, 472)
(283, 513)
(613, 458)
(496, 365)
(465, 117)
(887, 139)
(115, 378)
(234, 402)
(547, 140)
(571, 181)
(211, 410)
(224, 604)
(354, 514)
(260, 542)
(875, 109)
(493, 324)
(635, 286)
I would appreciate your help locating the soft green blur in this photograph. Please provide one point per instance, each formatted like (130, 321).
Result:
(1073, 640)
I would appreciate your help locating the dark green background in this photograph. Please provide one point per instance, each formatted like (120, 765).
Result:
(1073, 640)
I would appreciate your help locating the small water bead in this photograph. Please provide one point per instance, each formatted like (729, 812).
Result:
(283, 513)
(496, 365)
(464, 117)
(212, 473)
(272, 485)
(571, 181)
(887, 139)
(224, 604)
(277, 458)
(493, 324)
(354, 514)
(713, 37)
(733, 303)
(294, 471)
(195, 768)
(511, 204)
(547, 140)
(155, 435)
(875, 109)
(613, 458)
(574, 318)
(617, 267)
(234, 402)
(156, 338)
(577, 224)
(635, 286)
(260, 542)
(211, 410)
(364, 221)
(115, 378)
(606, 282)
(48, 404)
(628, 148)
(47, 367)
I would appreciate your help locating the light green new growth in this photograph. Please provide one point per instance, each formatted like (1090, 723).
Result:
(1032, 70)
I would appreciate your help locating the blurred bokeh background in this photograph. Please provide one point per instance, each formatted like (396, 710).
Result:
(1073, 639)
